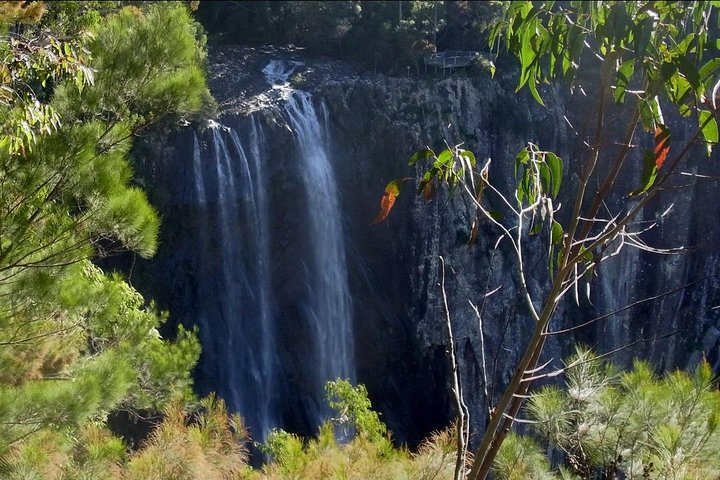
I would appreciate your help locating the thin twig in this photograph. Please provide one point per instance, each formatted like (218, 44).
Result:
(462, 409)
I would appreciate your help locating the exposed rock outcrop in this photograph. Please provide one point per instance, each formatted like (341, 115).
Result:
(375, 122)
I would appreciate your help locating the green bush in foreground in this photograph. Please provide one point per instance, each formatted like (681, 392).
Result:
(369, 455)
(611, 424)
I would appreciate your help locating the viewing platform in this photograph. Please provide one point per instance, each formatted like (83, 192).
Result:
(450, 59)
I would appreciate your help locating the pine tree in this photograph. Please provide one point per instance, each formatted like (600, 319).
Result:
(75, 342)
(611, 424)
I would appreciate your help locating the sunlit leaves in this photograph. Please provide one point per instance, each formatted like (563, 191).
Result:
(650, 113)
(421, 154)
(540, 174)
(654, 160)
(709, 128)
(451, 166)
(392, 190)
(662, 144)
(556, 166)
(28, 67)
(637, 46)
(649, 173)
(624, 74)
(556, 233)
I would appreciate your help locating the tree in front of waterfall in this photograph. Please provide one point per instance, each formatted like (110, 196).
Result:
(611, 424)
(77, 343)
(634, 63)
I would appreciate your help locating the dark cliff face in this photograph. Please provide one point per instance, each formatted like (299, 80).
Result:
(401, 337)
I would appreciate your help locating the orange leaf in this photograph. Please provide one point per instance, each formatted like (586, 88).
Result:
(662, 144)
(392, 190)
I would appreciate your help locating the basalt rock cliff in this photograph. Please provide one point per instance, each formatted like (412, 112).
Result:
(372, 123)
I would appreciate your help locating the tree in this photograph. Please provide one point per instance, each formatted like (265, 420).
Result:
(606, 423)
(75, 342)
(649, 57)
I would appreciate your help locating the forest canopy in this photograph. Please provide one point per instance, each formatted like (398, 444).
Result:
(399, 34)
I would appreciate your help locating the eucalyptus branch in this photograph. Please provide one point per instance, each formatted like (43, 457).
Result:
(462, 415)
(516, 243)
(630, 306)
(646, 197)
(584, 179)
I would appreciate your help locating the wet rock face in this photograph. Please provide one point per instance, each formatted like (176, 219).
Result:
(377, 125)
(400, 332)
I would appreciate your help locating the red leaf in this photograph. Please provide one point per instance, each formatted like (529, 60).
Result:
(662, 144)
(392, 190)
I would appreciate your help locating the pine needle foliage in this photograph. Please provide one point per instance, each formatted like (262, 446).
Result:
(75, 342)
(611, 424)
(211, 447)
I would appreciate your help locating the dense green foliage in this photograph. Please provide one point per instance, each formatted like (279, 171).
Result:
(75, 342)
(385, 35)
(369, 455)
(355, 410)
(608, 424)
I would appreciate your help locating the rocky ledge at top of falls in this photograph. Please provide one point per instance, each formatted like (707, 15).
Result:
(240, 87)
(373, 124)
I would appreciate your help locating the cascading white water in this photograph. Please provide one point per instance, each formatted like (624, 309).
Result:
(277, 72)
(234, 299)
(328, 309)
(239, 328)
(197, 171)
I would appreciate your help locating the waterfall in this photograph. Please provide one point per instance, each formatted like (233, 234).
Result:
(328, 307)
(198, 183)
(244, 337)
(234, 299)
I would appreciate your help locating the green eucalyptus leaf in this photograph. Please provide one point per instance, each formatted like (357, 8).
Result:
(522, 189)
(522, 158)
(709, 68)
(556, 166)
(545, 177)
(556, 235)
(421, 154)
(469, 155)
(649, 113)
(532, 85)
(427, 177)
(649, 173)
(530, 186)
(624, 74)
(445, 159)
(684, 46)
(709, 127)
(680, 89)
(688, 70)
